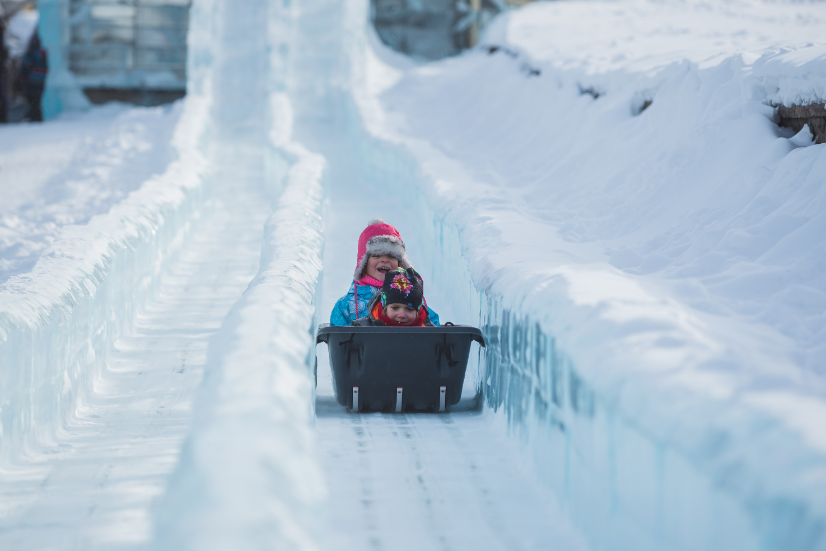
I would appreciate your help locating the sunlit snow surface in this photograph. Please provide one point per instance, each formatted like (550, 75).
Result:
(649, 283)
(72, 169)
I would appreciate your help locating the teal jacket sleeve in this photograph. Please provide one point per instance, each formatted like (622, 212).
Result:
(341, 313)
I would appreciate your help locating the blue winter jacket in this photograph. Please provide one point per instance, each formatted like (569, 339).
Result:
(344, 311)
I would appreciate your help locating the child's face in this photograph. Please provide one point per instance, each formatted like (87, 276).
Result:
(401, 313)
(377, 266)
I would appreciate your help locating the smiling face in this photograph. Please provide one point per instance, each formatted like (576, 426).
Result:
(401, 313)
(377, 266)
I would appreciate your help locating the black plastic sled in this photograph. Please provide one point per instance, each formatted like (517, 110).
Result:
(399, 368)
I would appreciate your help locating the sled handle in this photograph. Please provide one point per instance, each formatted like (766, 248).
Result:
(478, 338)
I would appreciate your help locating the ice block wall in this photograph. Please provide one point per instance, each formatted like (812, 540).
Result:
(50, 27)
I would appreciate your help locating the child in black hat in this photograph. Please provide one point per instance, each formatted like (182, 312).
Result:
(400, 303)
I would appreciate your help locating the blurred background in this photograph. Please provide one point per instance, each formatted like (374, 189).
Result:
(130, 50)
(432, 29)
(134, 51)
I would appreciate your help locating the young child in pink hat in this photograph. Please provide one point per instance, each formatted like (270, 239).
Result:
(380, 250)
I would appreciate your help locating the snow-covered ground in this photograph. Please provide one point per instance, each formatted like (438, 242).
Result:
(600, 186)
(72, 169)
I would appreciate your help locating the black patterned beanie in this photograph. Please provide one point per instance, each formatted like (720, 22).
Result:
(403, 286)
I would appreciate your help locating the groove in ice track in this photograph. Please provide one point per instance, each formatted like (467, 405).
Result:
(402, 481)
(431, 481)
(417, 481)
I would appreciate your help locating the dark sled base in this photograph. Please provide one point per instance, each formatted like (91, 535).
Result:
(398, 369)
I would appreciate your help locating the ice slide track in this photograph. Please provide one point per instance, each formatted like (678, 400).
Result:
(401, 482)
(414, 481)
(430, 481)
(123, 443)
(395, 481)
(117, 452)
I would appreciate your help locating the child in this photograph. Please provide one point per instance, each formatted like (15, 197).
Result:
(399, 304)
(380, 250)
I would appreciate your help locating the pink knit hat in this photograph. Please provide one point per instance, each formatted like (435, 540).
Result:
(379, 239)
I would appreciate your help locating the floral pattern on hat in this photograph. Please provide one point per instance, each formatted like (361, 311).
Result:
(401, 283)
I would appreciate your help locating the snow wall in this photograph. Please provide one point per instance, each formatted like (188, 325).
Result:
(640, 460)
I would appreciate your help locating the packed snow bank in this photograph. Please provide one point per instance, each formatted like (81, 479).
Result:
(248, 476)
(649, 279)
(78, 166)
(607, 44)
